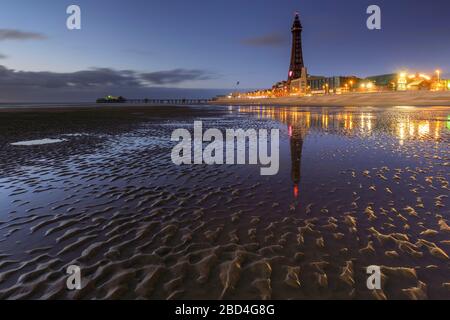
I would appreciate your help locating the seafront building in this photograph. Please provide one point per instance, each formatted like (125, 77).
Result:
(338, 84)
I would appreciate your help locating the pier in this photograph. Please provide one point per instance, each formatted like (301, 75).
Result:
(120, 99)
(170, 101)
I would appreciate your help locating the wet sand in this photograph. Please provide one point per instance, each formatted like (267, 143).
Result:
(409, 98)
(357, 187)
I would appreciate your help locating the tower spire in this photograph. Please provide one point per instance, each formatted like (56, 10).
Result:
(297, 24)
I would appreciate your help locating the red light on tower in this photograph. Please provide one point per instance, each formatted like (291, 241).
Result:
(291, 73)
(296, 191)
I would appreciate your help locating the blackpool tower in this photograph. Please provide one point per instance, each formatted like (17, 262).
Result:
(297, 65)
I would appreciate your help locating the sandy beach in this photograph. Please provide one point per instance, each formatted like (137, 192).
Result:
(357, 187)
(410, 98)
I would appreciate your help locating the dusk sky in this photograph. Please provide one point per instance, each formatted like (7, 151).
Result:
(161, 48)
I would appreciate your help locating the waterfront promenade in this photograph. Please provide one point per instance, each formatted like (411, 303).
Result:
(407, 98)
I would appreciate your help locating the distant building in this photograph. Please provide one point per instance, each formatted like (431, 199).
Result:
(384, 82)
(112, 99)
(399, 82)
(280, 89)
(418, 81)
(337, 84)
(299, 85)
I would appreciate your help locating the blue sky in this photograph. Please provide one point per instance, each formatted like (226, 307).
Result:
(217, 43)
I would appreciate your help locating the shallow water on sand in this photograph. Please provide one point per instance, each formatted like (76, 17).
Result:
(356, 187)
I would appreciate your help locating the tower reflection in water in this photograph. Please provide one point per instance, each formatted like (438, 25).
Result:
(397, 124)
(297, 134)
(298, 124)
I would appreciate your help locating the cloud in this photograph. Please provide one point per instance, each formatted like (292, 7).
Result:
(87, 85)
(13, 34)
(3, 56)
(176, 76)
(99, 77)
(96, 77)
(268, 40)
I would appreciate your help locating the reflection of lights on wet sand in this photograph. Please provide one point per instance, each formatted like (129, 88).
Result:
(366, 122)
(348, 121)
(424, 128)
(407, 108)
(412, 130)
(403, 129)
(402, 132)
(325, 119)
(437, 130)
(296, 191)
(369, 124)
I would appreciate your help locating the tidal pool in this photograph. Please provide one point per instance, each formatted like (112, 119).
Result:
(37, 142)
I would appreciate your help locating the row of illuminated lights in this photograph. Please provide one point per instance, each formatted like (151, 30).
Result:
(368, 85)
(403, 75)
(402, 78)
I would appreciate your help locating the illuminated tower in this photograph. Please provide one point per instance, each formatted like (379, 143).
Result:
(297, 65)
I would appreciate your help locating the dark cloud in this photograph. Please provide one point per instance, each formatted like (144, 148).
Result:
(87, 85)
(97, 77)
(13, 34)
(176, 76)
(3, 56)
(269, 40)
